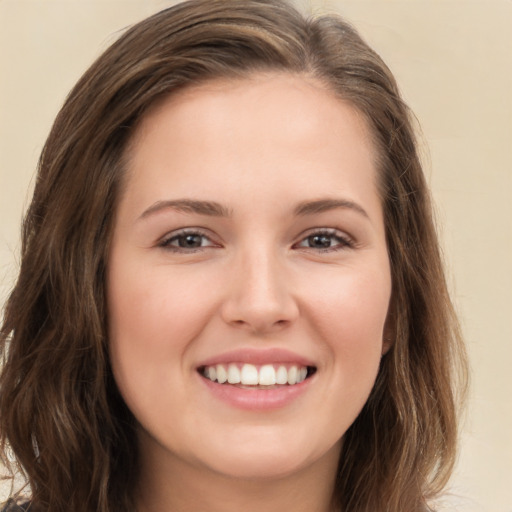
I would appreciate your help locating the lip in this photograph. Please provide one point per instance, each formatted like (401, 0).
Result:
(258, 357)
(258, 399)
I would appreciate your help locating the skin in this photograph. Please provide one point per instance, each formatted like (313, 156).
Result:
(259, 147)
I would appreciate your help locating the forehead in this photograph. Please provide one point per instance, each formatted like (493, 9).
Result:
(214, 100)
(267, 129)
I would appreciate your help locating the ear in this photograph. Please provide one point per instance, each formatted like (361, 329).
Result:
(389, 332)
(387, 343)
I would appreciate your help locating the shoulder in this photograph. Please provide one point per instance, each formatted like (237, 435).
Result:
(16, 506)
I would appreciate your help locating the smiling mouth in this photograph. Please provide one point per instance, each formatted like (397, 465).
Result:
(267, 376)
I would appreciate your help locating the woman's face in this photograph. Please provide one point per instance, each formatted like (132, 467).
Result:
(249, 244)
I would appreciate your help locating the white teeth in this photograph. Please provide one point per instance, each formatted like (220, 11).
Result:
(222, 375)
(292, 375)
(233, 374)
(282, 375)
(212, 373)
(251, 375)
(267, 375)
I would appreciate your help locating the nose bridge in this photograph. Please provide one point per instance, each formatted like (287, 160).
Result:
(260, 297)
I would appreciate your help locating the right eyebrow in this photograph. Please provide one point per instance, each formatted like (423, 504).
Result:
(324, 205)
(210, 208)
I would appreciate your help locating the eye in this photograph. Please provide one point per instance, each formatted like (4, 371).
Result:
(186, 241)
(325, 240)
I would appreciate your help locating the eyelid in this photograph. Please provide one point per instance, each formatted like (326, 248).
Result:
(347, 242)
(164, 242)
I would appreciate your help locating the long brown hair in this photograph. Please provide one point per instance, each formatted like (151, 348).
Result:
(60, 411)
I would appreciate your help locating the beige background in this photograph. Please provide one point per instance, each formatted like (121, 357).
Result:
(453, 60)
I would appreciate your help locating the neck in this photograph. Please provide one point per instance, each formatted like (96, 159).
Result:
(177, 486)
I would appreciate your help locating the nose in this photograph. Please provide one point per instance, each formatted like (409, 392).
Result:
(259, 297)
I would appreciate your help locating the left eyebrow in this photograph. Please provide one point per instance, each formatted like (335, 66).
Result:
(323, 205)
(210, 208)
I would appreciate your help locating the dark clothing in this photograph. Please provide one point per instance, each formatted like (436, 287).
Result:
(13, 506)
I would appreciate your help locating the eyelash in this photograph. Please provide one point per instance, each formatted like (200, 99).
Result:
(344, 242)
(166, 242)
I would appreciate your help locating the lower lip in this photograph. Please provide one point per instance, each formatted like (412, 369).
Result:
(257, 399)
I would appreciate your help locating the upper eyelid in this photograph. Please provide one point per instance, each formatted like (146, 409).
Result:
(346, 241)
(207, 234)
(186, 231)
(326, 231)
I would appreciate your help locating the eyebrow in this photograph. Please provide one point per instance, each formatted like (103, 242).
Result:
(324, 205)
(214, 209)
(210, 208)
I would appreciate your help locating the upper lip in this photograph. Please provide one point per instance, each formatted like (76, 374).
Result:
(258, 357)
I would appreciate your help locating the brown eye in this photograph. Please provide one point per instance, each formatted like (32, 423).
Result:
(189, 241)
(320, 241)
(330, 240)
(186, 240)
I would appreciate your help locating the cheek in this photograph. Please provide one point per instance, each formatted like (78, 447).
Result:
(353, 306)
(349, 318)
(151, 308)
(154, 316)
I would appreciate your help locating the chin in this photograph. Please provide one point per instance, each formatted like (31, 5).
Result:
(270, 460)
(259, 467)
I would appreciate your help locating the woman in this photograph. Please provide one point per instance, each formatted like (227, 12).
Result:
(231, 293)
